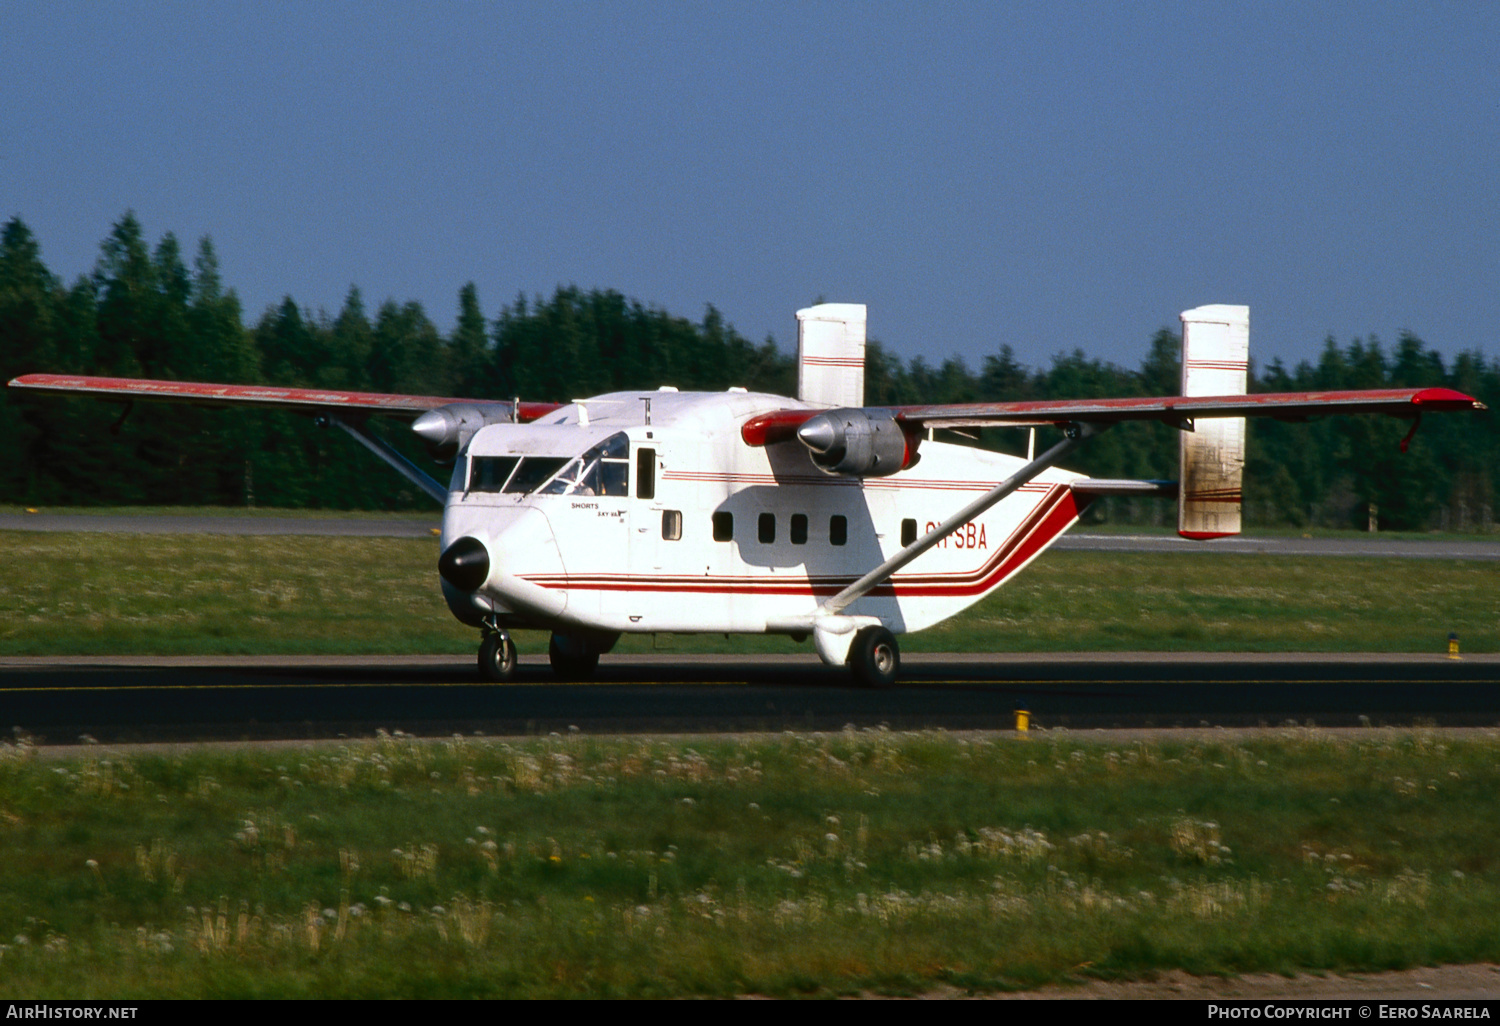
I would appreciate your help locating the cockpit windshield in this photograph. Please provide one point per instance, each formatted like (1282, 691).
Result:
(532, 472)
(603, 470)
(489, 473)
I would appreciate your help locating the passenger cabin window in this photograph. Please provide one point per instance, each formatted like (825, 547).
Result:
(645, 473)
(671, 525)
(799, 528)
(838, 530)
(908, 532)
(723, 527)
(603, 470)
(766, 528)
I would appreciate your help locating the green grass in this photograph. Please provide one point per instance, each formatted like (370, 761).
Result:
(1479, 534)
(99, 593)
(1077, 601)
(93, 594)
(797, 864)
(433, 516)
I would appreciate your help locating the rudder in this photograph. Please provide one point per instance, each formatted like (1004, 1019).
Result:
(1215, 361)
(831, 354)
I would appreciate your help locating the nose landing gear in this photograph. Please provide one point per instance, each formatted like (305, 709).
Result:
(497, 656)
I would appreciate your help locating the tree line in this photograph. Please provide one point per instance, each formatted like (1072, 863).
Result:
(143, 312)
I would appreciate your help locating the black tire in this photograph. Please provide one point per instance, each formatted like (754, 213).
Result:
(875, 658)
(497, 659)
(572, 658)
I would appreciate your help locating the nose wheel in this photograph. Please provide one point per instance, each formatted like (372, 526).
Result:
(497, 658)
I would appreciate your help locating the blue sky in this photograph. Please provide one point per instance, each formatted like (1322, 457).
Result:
(1047, 175)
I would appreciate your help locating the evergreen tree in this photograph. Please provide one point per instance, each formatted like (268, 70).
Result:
(1003, 379)
(406, 351)
(30, 333)
(352, 344)
(222, 351)
(471, 371)
(125, 279)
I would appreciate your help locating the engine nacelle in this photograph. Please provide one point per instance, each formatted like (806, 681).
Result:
(864, 443)
(447, 429)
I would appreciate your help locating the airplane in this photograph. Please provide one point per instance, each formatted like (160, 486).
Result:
(744, 513)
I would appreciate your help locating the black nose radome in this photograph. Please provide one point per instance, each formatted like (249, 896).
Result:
(465, 564)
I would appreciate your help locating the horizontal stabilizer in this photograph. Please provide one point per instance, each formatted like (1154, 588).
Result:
(1119, 486)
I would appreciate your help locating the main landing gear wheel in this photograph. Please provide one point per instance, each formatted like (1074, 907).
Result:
(571, 658)
(874, 658)
(497, 658)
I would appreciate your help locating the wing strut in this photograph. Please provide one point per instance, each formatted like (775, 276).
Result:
(1077, 434)
(381, 448)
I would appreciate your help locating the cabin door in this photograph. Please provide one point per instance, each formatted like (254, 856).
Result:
(646, 514)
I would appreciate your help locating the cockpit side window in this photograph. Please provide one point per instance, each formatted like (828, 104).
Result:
(603, 470)
(614, 466)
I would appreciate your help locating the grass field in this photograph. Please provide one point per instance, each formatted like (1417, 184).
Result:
(89, 593)
(788, 865)
(784, 865)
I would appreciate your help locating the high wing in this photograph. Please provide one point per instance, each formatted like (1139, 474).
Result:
(1176, 410)
(300, 400)
(1179, 411)
(346, 410)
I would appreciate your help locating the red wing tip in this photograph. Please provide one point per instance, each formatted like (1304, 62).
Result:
(1207, 535)
(1446, 397)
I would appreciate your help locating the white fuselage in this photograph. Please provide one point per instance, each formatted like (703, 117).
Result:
(711, 534)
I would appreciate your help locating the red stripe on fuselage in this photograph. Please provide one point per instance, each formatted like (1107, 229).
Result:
(1053, 515)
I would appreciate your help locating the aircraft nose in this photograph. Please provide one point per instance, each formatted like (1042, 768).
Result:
(465, 564)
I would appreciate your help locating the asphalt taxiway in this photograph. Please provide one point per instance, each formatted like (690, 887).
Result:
(142, 699)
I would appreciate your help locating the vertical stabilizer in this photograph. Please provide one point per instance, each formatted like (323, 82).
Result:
(1215, 361)
(831, 354)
